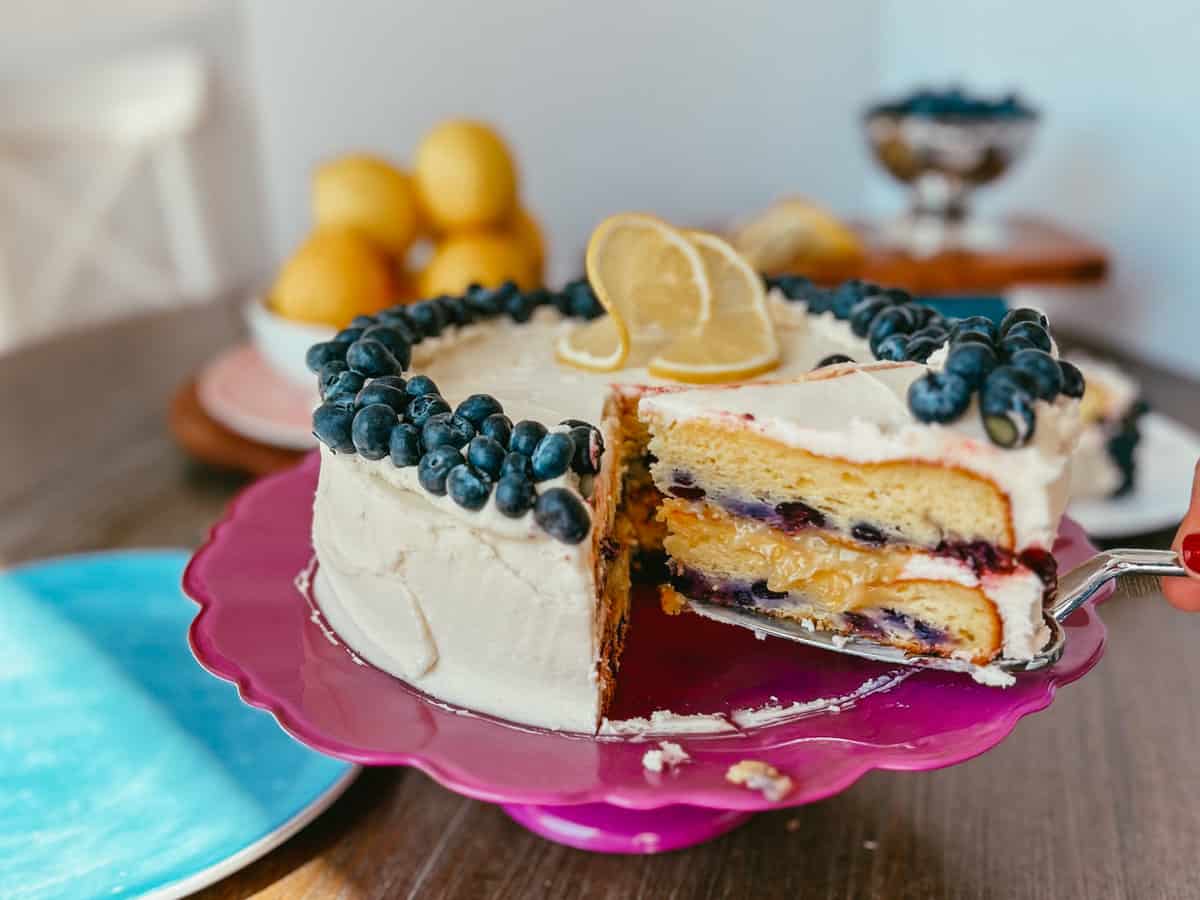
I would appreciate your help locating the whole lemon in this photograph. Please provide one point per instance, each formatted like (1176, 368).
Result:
(334, 276)
(465, 176)
(487, 258)
(370, 195)
(527, 230)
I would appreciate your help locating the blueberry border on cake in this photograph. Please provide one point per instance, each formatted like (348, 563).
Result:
(369, 407)
(1009, 366)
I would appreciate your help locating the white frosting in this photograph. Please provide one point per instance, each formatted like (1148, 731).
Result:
(1093, 472)
(493, 616)
(663, 721)
(861, 414)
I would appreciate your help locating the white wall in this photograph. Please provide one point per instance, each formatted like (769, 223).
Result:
(697, 110)
(1119, 150)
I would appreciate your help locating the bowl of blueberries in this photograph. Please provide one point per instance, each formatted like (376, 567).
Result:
(945, 143)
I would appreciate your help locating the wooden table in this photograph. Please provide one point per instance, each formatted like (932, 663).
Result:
(1097, 797)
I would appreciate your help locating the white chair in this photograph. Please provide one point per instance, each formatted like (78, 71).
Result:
(133, 117)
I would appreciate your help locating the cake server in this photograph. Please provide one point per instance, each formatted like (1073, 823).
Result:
(1138, 569)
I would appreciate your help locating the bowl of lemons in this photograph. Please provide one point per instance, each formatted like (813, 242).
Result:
(383, 234)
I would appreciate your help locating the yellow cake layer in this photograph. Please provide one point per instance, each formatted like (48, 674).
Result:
(921, 502)
(833, 576)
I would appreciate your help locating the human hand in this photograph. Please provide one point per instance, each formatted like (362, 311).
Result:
(1184, 593)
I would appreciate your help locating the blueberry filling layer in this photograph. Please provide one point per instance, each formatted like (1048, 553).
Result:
(877, 623)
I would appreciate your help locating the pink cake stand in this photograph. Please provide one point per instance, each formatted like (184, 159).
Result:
(256, 629)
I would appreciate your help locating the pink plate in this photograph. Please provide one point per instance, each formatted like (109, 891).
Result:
(243, 392)
(255, 628)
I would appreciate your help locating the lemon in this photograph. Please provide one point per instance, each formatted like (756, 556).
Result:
(370, 195)
(527, 230)
(334, 276)
(650, 280)
(487, 258)
(794, 234)
(737, 340)
(465, 176)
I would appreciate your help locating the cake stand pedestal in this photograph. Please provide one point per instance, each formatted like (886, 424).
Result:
(604, 828)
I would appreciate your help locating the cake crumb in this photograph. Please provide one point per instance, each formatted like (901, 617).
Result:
(667, 756)
(992, 676)
(759, 776)
(839, 640)
(808, 624)
(672, 602)
(870, 845)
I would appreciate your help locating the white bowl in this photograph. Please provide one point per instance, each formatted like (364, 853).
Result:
(283, 342)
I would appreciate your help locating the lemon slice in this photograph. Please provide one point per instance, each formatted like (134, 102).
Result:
(737, 340)
(793, 233)
(651, 281)
(601, 345)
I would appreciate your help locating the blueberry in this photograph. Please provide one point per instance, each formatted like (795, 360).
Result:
(893, 320)
(1006, 404)
(457, 311)
(348, 335)
(331, 426)
(482, 301)
(539, 297)
(517, 464)
(562, 515)
(393, 340)
(1025, 314)
(396, 381)
(446, 429)
(1043, 369)
(497, 426)
(429, 317)
(582, 299)
(449, 313)
(435, 466)
(897, 296)
(468, 487)
(363, 322)
(894, 348)
(923, 315)
(980, 324)
(817, 299)
(329, 373)
(1014, 344)
(562, 302)
(1073, 384)
(833, 359)
(374, 392)
(343, 389)
(865, 310)
(919, 349)
(421, 408)
(849, 293)
(319, 354)
(486, 454)
(971, 361)
(972, 337)
(868, 534)
(519, 308)
(939, 397)
(372, 359)
(397, 319)
(405, 445)
(421, 384)
(478, 407)
(514, 494)
(935, 332)
(589, 447)
(525, 436)
(1032, 332)
(372, 430)
(552, 456)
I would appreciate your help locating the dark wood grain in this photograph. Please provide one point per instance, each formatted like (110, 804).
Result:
(1098, 797)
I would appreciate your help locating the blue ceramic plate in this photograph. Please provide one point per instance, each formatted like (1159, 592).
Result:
(125, 769)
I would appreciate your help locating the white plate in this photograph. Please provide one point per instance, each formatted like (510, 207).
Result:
(1166, 458)
(248, 395)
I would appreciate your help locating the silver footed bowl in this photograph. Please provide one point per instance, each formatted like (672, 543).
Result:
(943, 158)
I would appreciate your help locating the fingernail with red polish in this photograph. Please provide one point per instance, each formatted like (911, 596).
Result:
(1191, 552)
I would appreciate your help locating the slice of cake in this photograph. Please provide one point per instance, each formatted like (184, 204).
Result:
(825, 499)
(1105, 463)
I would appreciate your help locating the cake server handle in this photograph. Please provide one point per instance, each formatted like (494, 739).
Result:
(1081, 583)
